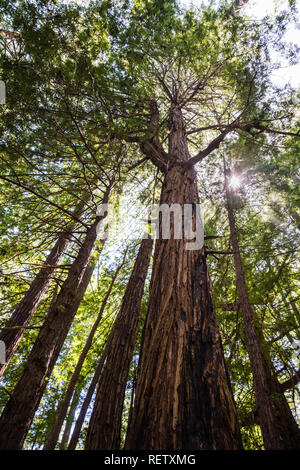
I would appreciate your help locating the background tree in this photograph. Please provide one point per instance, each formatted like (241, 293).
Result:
(143, 95)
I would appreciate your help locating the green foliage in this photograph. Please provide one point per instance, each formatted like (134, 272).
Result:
(79, 81)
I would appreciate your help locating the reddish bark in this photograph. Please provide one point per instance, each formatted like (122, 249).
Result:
(86, 403)
(20, 408)
(279, 428)
(105, 426)
(183, 396)
(31, 300)
(70, 419)
(63, 407)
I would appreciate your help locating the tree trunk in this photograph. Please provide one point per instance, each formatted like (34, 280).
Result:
(70, 419)
(105, 426)
(20, 408)
(279, 428)
(86, 403)
(31, 300)
(63, 407)
(183, 396)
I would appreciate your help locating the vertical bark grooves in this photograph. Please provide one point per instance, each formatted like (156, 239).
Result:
(279, 428)
(64, 404)
(105, 426)
(20, 408)
(28, 305)
(183, 395)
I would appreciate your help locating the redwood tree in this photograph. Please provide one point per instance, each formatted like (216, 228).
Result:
(197, 93)
(13, 332)
(19, 411)
(173, 85)
(183, 395)
(279, 428)
(105, 426)
(64, 404)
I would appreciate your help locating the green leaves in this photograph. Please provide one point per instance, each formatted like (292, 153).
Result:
(79, 81)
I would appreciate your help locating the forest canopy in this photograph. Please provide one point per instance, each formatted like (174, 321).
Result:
(111, 338)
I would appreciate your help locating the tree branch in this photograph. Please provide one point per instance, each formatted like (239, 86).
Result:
(152, 147)
(247, 127)
(214, 144)
(290, 383)
(274, 131)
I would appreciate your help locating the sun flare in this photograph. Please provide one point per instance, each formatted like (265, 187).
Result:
(235, 181)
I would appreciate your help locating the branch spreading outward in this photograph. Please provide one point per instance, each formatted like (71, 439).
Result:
(152, 147)
(236, 125)
(290, 383)
(213, 145)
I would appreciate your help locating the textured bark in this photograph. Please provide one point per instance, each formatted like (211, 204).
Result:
(105, 425)
(31, 300)
(20, 408)
(63, 407)
(279, 428)
(183, 396)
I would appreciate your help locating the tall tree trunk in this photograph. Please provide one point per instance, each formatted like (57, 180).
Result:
(105, 426)
(183, 396)
(70, 419)
(279, 428)
(31, 300)
(63, 407)
(86, 403)
(20, 408)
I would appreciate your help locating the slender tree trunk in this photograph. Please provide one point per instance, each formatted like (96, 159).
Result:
(63, 407)
(183, 395)
(105, 426)
(290, 304)
(31, 300)
(20, 408)
(70, 419)
(86, 403)
(279, 428)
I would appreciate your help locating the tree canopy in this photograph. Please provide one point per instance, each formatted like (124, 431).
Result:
(103, 99)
